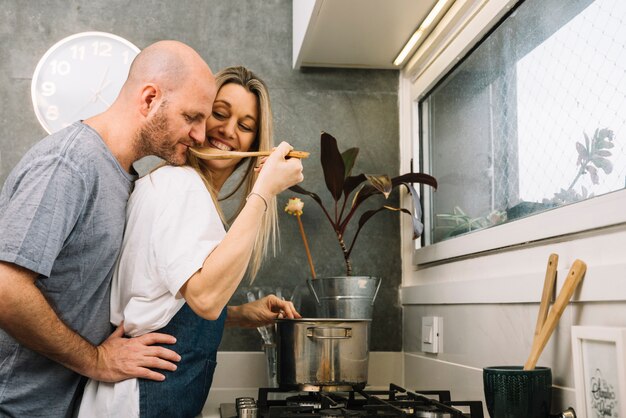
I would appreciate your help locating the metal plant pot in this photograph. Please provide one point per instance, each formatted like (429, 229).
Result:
(323, 354)
(348, 297)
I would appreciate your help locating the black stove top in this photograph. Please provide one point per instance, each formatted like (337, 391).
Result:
(395, 402)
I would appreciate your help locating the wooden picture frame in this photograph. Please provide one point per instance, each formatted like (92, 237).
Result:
(599, 355)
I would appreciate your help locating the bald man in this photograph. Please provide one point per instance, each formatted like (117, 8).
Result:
(62, 212)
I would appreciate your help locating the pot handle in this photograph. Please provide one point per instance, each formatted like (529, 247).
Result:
(329, 333)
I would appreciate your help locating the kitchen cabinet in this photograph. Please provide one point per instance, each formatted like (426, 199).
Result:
(354, 33)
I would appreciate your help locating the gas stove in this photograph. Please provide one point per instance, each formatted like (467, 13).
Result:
(395, 402)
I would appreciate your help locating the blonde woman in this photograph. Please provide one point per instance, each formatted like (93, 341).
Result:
(179, 267)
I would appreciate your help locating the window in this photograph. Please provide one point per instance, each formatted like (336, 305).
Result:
(531, 120)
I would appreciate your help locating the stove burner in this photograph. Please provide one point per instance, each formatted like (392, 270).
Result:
(396, 402)
(317, 400)
(432, 414)
(303, 400)
(331, 388)
(332, 413)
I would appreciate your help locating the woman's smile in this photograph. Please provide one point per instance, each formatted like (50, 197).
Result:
(216, 143)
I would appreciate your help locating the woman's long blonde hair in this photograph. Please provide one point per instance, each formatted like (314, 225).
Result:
(263, 142)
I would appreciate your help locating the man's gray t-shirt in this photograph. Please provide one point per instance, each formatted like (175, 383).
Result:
(62, 212)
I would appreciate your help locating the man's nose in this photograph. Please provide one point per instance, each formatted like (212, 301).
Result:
(198, 133)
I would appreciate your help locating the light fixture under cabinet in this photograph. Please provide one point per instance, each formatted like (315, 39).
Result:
(417, 35)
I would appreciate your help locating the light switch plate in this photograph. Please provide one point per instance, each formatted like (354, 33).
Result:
(432, 327)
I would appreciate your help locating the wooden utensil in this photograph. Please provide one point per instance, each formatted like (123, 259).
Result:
(546, 295)
(574, 277)
(208, 153)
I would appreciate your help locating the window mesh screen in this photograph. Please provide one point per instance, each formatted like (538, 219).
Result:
(533, 119)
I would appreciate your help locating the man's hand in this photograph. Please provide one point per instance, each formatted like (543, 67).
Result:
(121, 358)
(26, 315)
(260, 312)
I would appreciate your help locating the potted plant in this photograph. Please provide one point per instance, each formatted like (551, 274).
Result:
(593, 156)
(339, 296)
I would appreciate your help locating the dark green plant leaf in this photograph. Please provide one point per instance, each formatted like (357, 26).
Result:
(352, 183)
(332, 164)
(368, 190)
(415, 178)
(366, 217)
(603, 163)
(349, 158)
(363, 193)
(381, 182)
(300, 190)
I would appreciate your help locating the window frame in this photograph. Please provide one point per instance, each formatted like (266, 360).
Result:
(466, 24)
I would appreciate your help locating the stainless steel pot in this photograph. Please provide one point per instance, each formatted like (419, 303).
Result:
(323, 354)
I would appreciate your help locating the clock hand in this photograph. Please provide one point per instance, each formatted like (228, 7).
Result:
(102, 100)
(93, 99)
(104, 77)
(99, 90)
(96, 93)
(90, 102)
(105, 85)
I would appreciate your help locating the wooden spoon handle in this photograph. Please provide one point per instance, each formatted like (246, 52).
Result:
(212, 154)
(548, 291)
(291, 154)
(574, 277)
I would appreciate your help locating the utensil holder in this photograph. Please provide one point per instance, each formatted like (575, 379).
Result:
(511, 392)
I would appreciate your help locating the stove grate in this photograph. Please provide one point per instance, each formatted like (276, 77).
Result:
(395, 402)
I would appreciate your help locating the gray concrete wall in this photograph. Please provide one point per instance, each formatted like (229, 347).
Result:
(359, 107)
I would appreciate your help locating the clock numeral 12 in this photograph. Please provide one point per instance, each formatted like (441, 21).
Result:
(102, 49)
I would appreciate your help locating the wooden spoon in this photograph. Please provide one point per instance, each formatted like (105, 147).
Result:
(208, 153)
(574, 277)
(546, 296)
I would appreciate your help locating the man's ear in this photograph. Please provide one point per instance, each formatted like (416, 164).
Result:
(150, 99)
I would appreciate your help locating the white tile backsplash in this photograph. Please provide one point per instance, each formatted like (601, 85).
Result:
(475, 336)
(464, 383)
(480, 335)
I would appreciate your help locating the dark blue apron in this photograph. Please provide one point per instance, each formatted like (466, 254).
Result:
(183, 393)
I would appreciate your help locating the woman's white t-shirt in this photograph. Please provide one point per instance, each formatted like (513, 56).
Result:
(172, 225)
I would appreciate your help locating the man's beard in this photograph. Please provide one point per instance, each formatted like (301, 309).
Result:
(154, 138)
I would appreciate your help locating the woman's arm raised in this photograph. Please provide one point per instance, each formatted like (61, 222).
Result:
(211, 287)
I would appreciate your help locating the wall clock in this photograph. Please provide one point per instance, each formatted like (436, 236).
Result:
(79, 77)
